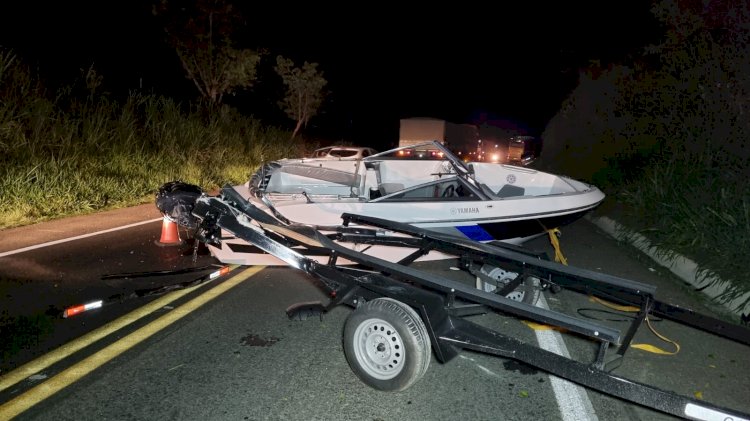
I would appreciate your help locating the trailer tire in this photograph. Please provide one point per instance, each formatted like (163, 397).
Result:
(386, 344)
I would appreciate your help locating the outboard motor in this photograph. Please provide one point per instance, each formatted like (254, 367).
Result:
(176, 200)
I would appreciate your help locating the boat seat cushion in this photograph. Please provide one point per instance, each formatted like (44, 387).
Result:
(510, 190)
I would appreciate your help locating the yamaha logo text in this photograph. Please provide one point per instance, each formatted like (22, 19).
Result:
(462, 211)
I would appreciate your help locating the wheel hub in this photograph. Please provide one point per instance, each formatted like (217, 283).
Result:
(502, 277)
(379, 349)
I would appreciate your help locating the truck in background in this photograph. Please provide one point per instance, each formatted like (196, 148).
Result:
(461, 139)
(485, 143)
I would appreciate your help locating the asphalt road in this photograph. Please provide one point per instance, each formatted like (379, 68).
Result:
(225, 349)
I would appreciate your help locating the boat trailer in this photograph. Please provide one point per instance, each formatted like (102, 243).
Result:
(402, 315)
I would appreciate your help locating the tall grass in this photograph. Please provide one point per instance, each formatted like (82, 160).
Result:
(685, 209)
(668, 138)
(75, 151)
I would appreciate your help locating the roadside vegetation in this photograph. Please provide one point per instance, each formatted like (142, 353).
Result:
(74, 149)
(667, 136)
(77, 151)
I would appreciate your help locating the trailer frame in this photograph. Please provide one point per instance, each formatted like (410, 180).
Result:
(441, 304)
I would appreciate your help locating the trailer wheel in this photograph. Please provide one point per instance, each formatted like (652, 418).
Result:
(386, 344)
(526, 292)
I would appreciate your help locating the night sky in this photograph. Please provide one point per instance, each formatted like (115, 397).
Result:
(383, 61)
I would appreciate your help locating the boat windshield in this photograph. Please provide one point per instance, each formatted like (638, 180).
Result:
(434, 151)
(428, 151)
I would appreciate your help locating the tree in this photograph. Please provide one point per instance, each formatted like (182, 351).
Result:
(304, 91)
(201, 33)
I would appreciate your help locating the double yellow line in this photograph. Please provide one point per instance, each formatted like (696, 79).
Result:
(72, 374)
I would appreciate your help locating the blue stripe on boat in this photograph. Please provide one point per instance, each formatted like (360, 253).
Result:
(475, 232)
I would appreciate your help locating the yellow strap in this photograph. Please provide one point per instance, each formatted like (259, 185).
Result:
(553, 234)
(643, 347)
(540, 326)
(630, 309)
(559, 258)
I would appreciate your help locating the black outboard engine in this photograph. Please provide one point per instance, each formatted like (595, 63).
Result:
(176, 200)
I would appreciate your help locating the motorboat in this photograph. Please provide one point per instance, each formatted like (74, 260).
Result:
(423, 185)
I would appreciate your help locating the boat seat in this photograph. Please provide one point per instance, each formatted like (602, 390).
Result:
(510, 190)
(388, 188)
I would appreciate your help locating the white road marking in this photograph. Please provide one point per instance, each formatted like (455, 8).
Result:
(571, 398)
(65, 240)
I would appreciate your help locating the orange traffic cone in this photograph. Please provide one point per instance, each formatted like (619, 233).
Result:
(170, 236)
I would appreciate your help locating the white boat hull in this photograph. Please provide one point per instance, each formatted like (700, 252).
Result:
(532, 220)
(478, 201)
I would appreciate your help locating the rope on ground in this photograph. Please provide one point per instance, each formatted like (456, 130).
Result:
(554, 235)
(643, 347)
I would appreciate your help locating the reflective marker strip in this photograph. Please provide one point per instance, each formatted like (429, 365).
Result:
(222, 271)
(72, 311)
(702, 413)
